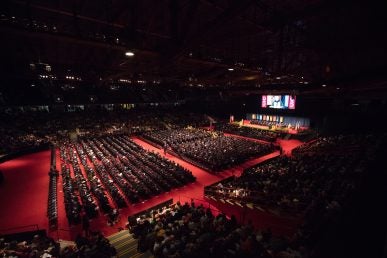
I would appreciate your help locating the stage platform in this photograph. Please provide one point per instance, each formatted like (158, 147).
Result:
(286, 130)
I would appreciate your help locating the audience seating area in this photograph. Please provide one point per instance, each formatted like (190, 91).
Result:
(27, 129)
(333, 144)
(39, 246)
(209, 150)
(324, 170)
(316, 182)
(193, 231)
(98, 170)
(251, 132)
(95, 245)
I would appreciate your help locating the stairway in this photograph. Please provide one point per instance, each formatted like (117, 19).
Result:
(126, 245)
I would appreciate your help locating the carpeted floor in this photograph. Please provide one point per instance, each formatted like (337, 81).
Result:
(288, 145)
(24, 194)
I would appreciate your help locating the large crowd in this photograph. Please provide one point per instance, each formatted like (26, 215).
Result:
(331, 144)
(326, 170)
(194, 231)
(119, 168)
(251, 132)
(26, 129)
(39, 246)
(316, 182)
(94, 245)
(293, 184)
(210, 150)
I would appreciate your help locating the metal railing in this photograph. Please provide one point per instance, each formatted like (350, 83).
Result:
(33, 227)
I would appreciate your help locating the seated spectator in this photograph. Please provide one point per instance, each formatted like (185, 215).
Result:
(192, 231)
(210, 150)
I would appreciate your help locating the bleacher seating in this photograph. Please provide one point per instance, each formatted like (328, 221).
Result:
(193, 231)
(328, 168)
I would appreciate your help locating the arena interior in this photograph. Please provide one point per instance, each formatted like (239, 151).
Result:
(193, 128)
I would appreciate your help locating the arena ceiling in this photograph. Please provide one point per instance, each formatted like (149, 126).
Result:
(259, 44)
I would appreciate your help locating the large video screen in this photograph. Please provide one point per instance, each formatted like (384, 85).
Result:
(279, 101)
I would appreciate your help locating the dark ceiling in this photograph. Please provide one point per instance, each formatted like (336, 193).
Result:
(296, 44)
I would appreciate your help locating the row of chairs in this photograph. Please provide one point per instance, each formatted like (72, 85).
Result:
(52, 206)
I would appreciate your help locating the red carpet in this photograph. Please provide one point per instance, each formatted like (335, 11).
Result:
(289, 145)
(280, 226)
(24, 194)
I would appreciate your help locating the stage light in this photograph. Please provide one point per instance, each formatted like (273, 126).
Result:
(324, 85)
(129, 53)
(337, 88)
(231, 69)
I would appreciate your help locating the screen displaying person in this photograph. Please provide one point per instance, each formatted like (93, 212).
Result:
(277, 102)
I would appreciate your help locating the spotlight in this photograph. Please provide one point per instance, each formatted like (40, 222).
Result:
(231, 69)
(129, 53)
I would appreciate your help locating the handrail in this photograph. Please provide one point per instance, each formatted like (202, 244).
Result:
(205, 201)
(25, 226)
(218, 182)
(157, 206)
(258, 201)
(65, 230)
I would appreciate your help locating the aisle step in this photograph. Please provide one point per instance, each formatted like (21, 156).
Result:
(126, 245)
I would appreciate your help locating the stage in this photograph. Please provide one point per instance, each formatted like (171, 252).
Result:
(273, 128)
